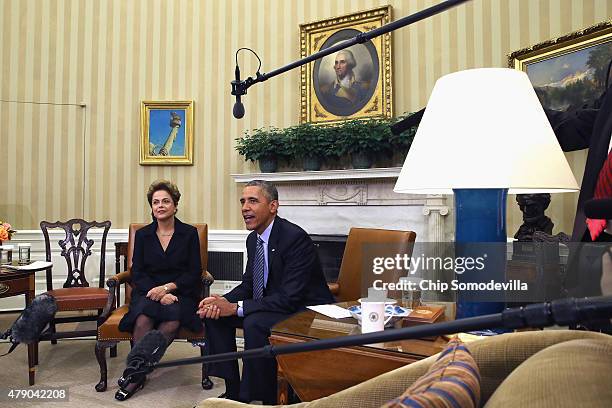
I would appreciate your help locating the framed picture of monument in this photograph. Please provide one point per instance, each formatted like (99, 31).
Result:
(570, 70)
(352, 83)
(166, 132)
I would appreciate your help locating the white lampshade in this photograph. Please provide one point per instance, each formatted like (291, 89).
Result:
(485, 128)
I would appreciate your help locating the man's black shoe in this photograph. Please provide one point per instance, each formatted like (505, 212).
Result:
(231, 397)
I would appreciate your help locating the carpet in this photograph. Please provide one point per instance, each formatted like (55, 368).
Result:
(72, 364)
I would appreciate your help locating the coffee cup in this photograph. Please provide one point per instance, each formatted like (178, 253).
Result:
(373, 311)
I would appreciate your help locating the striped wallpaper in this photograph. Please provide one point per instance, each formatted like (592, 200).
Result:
(61, 159)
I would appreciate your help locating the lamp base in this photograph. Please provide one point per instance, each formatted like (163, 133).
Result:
(480, 219)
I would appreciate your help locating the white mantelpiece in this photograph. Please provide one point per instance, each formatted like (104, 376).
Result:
(333, 201)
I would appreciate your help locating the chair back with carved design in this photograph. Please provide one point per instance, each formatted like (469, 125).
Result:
(77, 301)
(75, 245)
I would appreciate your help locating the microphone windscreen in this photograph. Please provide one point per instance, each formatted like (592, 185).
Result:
(150, 348)
(598, 208)
(238, 110)
(33, 320)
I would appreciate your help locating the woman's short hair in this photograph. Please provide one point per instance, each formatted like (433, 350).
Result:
(164, 185)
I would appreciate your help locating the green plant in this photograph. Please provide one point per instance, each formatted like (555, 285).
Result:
(309, 140)
(263, 142)
(370, 136)
(325, 141)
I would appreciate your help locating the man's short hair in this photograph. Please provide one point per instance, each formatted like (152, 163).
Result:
(268, 189)
(350, 58)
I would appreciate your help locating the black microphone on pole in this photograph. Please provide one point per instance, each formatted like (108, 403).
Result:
(238, 110)
(144, 355)
(31, 323)
(240, 87)
(562, 312)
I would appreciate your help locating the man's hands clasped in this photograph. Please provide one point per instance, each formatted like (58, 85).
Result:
(216, 306)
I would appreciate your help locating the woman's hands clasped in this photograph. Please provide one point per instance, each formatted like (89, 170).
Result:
(168, 299)
(157, 293)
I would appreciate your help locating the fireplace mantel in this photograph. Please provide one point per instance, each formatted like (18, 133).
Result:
(333, 201)
(290, 176)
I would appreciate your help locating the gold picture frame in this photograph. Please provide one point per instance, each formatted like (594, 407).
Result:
(569, 70)
(365, 90)
(166, 133)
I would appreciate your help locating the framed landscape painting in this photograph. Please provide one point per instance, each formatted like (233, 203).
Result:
(570, 70)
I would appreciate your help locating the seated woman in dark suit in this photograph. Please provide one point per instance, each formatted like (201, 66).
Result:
(166, 271)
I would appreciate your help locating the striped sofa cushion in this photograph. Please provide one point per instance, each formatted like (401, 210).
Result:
(452, 381)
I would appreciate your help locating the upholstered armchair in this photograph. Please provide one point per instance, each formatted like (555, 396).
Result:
(109, 335)
(349, 284)
(544, 368)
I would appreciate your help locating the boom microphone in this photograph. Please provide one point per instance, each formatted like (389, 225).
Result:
(598, 208)
(143, 356)
(31, 322)
(563, 312)
(238, 110)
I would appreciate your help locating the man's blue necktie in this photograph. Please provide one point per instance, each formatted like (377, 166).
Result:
(258, 270)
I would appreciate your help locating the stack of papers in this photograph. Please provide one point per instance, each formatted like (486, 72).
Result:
(333, 311)
(30, 267)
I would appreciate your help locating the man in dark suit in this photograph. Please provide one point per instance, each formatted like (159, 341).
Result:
(283, 275)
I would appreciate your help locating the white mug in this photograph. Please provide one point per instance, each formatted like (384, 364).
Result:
(373, 317)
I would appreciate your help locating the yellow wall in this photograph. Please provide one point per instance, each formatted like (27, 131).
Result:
(59, 160)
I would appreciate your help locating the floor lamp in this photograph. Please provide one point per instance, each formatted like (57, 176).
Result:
(484, 134)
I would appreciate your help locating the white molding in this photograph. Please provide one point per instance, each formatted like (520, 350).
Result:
(218, 240)
(289, 176)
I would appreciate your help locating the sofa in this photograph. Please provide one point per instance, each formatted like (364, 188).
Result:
(543, 368)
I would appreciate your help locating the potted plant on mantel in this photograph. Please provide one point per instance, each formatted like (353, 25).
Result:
(362, 140)
(266, 145)
(313, 144)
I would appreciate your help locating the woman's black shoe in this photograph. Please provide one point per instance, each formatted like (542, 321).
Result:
(123, 394)
(207, 383)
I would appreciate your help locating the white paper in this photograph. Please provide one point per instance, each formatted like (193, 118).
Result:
(333, 311)
(33, 266)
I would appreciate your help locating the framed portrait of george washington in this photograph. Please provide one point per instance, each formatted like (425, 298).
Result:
(568, 71)
(352, 83)
(166, 132)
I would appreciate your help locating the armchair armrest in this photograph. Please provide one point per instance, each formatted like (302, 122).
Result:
(113, 283)
(207, 278)
(118, 279)
(334, 288)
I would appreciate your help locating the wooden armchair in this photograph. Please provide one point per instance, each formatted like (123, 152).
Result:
(108, 326)
(367, 241)
(75, 295)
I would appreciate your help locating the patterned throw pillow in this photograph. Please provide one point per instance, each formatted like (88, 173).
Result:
(452, 381)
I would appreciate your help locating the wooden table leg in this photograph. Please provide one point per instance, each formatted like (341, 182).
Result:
(31, 365)
(283, 390)
(32, 348)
